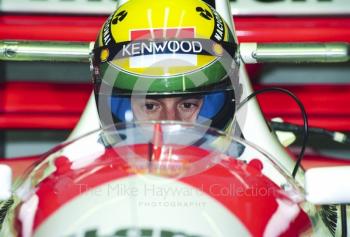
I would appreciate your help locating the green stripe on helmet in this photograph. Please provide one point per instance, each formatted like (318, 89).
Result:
(210, 75)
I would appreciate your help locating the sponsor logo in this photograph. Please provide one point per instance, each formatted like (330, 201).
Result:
(107, 32)
(168, 47)
(204, 13)
(163, 47)
(119, 17)
(219, 29)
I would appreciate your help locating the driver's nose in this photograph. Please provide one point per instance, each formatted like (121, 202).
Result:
(170, 109)
(171, 115)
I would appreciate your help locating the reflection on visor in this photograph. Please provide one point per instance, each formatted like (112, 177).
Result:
(187, 108)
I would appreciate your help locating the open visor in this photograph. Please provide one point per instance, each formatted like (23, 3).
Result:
(213, 108)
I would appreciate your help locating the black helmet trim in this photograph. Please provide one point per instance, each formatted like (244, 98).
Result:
(170, 46)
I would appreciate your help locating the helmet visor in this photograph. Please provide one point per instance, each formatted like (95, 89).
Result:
(196, 108)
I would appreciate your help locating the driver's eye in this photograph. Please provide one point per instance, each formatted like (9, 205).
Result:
(151, 106)
(188, 105)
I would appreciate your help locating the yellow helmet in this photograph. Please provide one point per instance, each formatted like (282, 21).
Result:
(165, 48)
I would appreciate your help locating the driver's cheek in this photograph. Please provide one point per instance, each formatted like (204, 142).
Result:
(186, 116)
(156, 115)
(153, 116)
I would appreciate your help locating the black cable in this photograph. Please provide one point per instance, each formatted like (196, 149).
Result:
(301, 106)
(344, 228)
(288, 127)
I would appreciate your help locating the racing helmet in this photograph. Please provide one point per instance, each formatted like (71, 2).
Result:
(165, 60)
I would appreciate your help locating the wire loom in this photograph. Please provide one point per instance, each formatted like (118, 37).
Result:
(4, 207)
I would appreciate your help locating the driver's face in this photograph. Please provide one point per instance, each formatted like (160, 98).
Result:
(184, 109)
